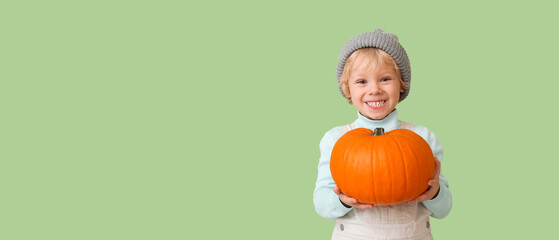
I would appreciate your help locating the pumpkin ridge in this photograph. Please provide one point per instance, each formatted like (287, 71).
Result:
(372, 182)
(364, 147)
(347, 168)
(417, 161)
(355, 185)
(387, 172)
(383, 169)
(405, 169)
(391, 171)
(417, 140)
(420, 141)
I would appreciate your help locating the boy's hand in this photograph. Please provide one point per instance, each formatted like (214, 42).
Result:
(434, 186)
(351, 201)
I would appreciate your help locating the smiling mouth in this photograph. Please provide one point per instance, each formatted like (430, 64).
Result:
(376, 104)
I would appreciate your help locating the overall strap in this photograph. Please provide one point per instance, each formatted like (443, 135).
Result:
(406, 125)
(349, 127)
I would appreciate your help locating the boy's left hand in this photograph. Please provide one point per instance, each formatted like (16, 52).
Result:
(434, 186)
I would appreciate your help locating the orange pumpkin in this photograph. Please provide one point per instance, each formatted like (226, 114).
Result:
(382, 169)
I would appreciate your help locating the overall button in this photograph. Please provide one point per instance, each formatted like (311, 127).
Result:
(341, 227)
(428, 224)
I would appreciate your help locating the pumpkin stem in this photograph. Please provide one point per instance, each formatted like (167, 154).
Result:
(378, 132)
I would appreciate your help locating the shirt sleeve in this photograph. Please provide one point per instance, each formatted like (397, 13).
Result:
(440, 205)
(326, 202)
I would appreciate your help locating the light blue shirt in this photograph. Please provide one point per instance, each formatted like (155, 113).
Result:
(326, 202)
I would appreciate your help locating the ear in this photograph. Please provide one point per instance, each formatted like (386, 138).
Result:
(402, 90)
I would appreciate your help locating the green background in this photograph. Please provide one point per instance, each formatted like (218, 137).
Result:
(191, 120)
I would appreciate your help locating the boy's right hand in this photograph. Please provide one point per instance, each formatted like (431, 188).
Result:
(351, 201)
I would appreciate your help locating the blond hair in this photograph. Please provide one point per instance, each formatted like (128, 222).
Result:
(369, 58)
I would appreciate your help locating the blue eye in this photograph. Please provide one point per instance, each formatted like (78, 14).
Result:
(361, 81)
(385, 79)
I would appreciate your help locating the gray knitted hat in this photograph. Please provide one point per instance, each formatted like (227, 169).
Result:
(383, 40)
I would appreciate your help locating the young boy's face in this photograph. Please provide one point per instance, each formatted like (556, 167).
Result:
(374, 91)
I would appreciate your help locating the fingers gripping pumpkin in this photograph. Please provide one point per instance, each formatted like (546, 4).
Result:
(382, 169)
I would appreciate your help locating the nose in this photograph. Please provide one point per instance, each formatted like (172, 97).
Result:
(374, 88)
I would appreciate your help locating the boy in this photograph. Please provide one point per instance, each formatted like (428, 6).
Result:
(374, 76)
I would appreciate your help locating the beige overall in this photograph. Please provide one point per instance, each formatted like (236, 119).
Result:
(401, 221)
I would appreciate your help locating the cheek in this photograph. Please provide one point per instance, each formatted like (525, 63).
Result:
(352, 91)
(396, 90)
(356, 93)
